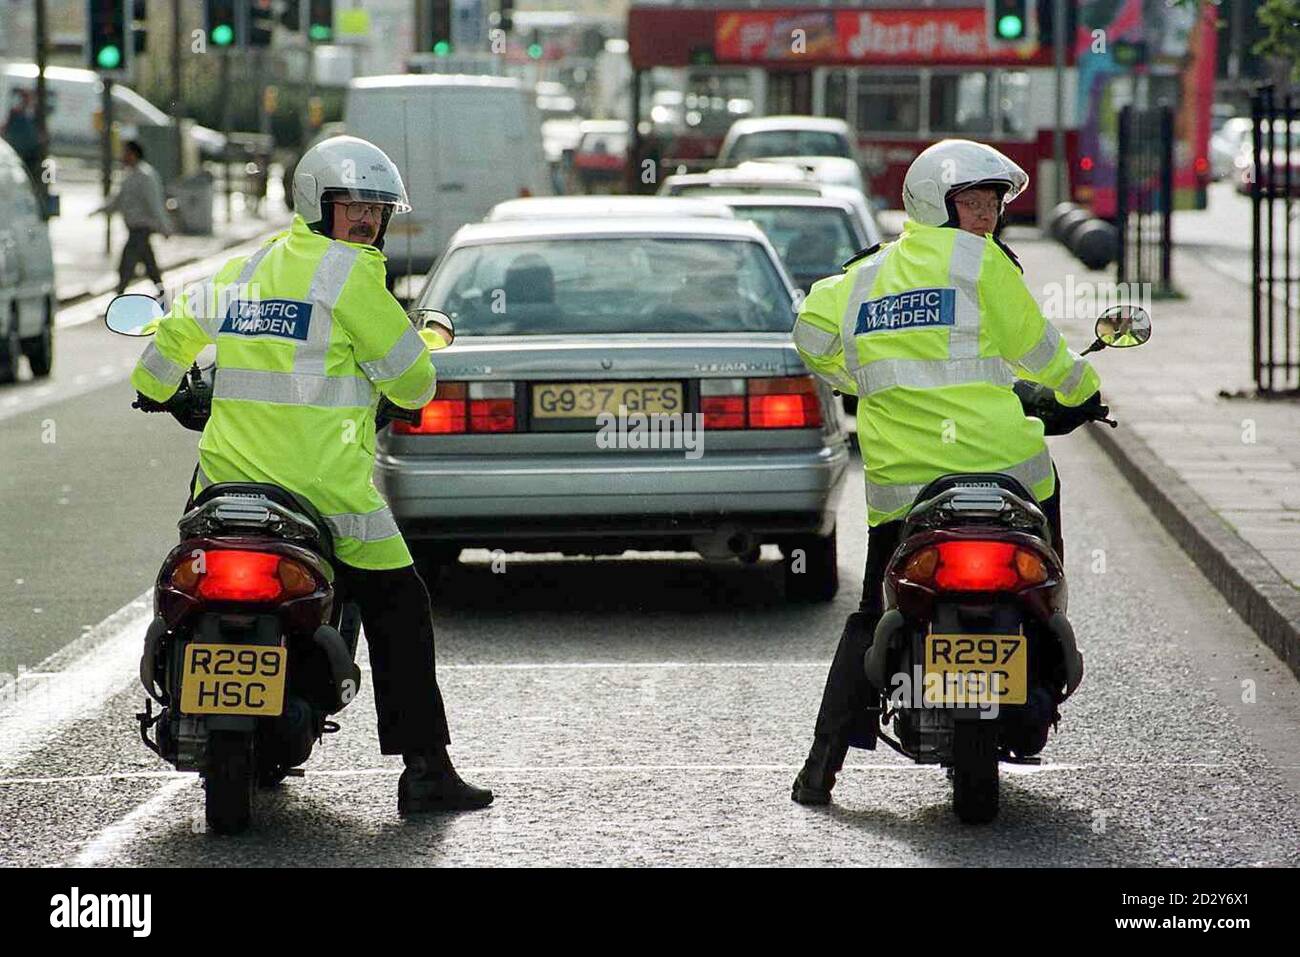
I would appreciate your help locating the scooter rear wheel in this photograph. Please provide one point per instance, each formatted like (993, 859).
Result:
(229, 782)
(975, 771)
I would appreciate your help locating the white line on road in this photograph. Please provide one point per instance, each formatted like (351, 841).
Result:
(124, 832)
(88, 672)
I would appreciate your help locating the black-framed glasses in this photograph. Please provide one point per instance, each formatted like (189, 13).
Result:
(356, 212)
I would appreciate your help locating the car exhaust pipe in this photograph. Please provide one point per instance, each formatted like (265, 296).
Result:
(729, 541)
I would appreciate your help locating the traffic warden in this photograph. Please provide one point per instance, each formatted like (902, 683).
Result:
(930, 331)
(307, 340)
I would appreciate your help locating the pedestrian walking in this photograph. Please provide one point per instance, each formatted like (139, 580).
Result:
(139, 200)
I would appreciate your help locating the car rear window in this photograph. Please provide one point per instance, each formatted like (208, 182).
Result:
(615, 286)
(788, 143)
(811, 240)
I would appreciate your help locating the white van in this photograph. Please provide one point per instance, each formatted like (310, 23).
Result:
(75, 96)
(27, 302)
(462, 143)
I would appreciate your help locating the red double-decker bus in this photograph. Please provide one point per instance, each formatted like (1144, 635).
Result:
(905, 76)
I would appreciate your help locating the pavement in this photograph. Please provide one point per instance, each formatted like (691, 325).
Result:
(1218, 465)
(85, 258)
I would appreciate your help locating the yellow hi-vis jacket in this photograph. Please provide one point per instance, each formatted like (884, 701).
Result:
(938, 325)
(307, 339)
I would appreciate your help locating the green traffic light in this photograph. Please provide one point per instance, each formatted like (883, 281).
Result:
(109, 57)
(319, 31)
(1011, 27)
(535, 51)
(223, 34)
(441, 48)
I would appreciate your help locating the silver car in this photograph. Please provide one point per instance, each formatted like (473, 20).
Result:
(620, 383)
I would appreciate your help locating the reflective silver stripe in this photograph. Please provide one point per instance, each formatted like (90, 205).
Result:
(368, 527)
(408, 350)
(931, 373)
(815, 341)
(891, 498)
(203, 479)
(160, 367)
(1074, 378)
(292, 389)
(863, 280)
(964, 274)
(326, 286)
(1038, 358)
(251, 264)
(428, 394)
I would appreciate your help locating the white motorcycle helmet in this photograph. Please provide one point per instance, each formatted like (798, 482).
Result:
(949, 166)
(346, 168)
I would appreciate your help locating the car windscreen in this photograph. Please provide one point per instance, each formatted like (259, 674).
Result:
(811, 240)
(614, 286)
(788, 143)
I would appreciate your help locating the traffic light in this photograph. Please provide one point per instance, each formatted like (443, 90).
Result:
(139, 26)
(440, 28)
(507, 19)
(261, 22)
(1008, 20)
(320, 21)
(107, 34)
(535, 49)
(221, 25)
(291, 15)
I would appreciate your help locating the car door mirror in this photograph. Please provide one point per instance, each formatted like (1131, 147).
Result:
(134, 314)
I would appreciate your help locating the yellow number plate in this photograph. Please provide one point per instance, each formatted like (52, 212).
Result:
(586, 400)
(233, 679)
(974, 670)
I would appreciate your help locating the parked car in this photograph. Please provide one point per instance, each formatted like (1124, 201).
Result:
(1277, 173)
(1226, 143)
(585, 207)
(772, 179)
(562, 326)
(27, 296)
(796, 138)
(75, 97)
(462, 143)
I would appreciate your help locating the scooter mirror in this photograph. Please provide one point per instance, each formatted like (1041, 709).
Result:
(1124, 326)
(435, 328)
(133, 315)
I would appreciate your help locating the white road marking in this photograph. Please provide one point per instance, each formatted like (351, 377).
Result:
(74, 683)
(126, 831)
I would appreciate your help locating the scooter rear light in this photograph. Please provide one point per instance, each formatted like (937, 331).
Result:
(975, 565)
(238, 575)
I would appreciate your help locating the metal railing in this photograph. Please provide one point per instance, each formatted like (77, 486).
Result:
(1275, 254)
(1144, 197)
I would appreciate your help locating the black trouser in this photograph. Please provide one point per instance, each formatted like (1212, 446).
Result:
(398, 622)
(848, 694)
(137, 250)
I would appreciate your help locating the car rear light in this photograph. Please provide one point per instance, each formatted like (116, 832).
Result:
(975, 565)
(722, 402)
(525, 192)
(491, 406)
(460, 407)
(1202, 165)
(1086, 164)
(237, 575)
(787, 402)
(784, 403)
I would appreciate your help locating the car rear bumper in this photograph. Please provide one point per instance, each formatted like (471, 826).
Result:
(650, 497)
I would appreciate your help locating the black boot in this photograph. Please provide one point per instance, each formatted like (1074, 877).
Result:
(814, 783)
(430, 783)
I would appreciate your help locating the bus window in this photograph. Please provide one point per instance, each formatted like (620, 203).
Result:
(889, 103)
(960, 103)
(1013, 104)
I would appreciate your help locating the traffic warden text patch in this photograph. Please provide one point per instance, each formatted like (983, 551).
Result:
(908, 310)
(284, 318)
